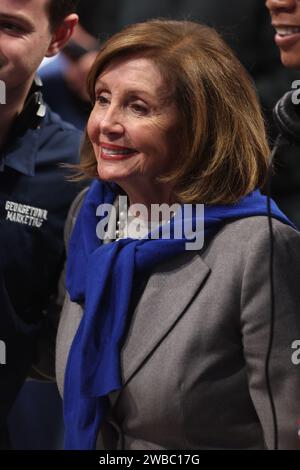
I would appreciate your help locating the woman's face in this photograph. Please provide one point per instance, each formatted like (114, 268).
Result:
(134, 126)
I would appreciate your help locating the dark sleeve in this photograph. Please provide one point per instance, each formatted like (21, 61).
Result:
(43, 367)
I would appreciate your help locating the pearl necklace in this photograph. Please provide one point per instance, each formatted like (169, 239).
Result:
(134, 227)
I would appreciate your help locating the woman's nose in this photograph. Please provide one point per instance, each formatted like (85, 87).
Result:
(111, 122)
(281, 5)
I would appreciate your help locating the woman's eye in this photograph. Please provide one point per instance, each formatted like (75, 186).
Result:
(139, 109)
(102, 100)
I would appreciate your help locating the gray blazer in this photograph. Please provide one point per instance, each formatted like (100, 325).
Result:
(193, 359)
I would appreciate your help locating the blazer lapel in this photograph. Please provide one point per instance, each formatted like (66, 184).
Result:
(166, 297)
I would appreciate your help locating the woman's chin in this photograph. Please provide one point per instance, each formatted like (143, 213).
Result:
(112, 176)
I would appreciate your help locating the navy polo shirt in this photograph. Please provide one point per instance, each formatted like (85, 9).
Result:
(34, 201)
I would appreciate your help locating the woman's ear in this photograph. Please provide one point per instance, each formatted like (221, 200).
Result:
(62, 34)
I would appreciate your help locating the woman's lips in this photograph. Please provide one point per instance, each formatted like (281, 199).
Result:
(113, 153)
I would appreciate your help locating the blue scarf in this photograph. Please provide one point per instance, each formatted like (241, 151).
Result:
(101, 276)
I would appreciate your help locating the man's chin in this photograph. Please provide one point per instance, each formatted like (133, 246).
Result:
(290, 60)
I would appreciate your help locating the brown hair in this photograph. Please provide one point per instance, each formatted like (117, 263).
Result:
(224, 153)
(59, 9)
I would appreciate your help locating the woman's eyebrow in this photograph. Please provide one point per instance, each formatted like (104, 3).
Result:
(129, 91)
